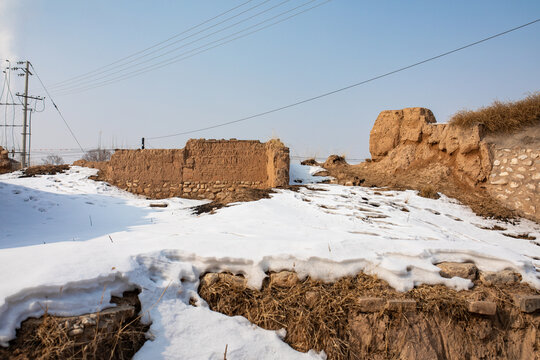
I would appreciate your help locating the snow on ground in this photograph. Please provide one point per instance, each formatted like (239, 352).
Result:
(299, 174)
(67, 241)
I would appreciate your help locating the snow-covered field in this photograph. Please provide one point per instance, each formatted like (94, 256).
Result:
(66, 240)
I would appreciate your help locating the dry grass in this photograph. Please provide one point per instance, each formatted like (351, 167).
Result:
(429, 192)
(316, 314)
(47, 338)
(502, 117)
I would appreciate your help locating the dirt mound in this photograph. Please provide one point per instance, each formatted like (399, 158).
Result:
(362, 317)
(334, 160)
(44, 170)
(309, 162)
(114, 333)
(6, 164)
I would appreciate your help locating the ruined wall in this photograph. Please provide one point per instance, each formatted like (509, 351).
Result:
(402, 139)
(204, 169)
(409, 137)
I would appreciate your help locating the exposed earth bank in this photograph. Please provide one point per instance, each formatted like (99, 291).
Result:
(362, 317)
(493, 174)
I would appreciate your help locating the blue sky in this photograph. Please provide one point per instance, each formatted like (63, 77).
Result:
(334, 45)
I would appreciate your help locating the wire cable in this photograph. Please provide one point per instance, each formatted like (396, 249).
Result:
(56, 107)
(178, 58)
(155, 45)
(346, 87)
(91, 79)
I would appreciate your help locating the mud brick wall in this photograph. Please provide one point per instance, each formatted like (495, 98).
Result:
(515, 179)
(204, 169)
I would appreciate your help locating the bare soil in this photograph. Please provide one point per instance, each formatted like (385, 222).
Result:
(429, 179)
(44, 170)
(327, 316)
(240, 195)
(47, 337)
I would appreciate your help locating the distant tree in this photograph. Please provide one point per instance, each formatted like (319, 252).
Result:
(97, 155)
(52, 159)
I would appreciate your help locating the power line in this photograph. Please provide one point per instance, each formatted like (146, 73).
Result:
(178, 58)
(155, 45)
(91, 80)
(57, 109)
(346, 87)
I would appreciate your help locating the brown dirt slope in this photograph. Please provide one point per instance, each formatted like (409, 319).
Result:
(425, 177)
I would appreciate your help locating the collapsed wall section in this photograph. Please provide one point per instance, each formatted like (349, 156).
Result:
(204, 169)
(410, 139)
(401, 139)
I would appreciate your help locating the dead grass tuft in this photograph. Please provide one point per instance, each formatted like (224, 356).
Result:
(48, 338)
(502, 117)
(429, 191)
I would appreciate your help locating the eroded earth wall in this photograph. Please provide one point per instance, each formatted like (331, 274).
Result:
(5, 164)
(410, 138)
(204, 169)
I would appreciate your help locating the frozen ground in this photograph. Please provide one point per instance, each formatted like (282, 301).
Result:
(66, 241)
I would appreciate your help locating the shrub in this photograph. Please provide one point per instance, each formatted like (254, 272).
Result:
(52, 159)
(97, 155)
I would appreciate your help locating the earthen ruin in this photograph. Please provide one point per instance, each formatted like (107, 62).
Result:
(401, 139)
(203, 169)
(496, 175)
(7, 164)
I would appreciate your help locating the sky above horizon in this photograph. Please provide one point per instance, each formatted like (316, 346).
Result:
(333, 45)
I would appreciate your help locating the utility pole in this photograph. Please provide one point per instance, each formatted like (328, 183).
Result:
(25, 158)
(25, 114)
(26, 126)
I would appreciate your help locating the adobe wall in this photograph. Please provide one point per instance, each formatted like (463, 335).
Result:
(204, 169)
(402, 139)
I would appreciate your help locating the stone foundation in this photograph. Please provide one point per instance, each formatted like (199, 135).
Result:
(515, 179)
